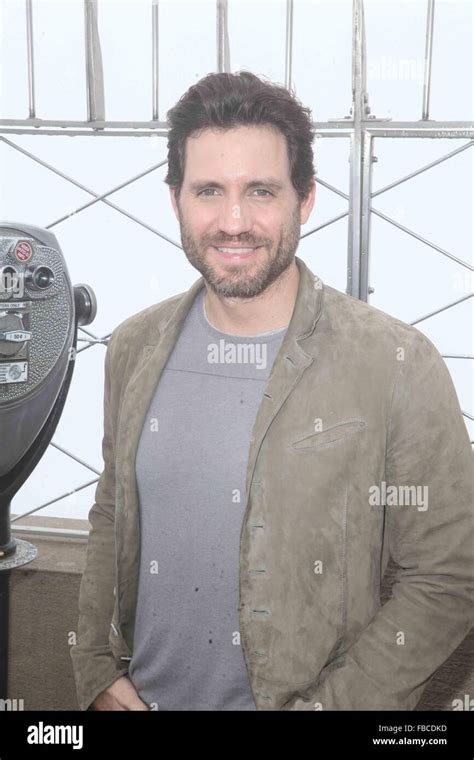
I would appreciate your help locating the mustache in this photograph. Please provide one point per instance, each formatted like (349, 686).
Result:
(242, 243)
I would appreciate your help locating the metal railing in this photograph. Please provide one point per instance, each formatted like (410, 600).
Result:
(360, 127)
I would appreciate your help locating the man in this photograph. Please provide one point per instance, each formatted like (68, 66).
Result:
(269, 443)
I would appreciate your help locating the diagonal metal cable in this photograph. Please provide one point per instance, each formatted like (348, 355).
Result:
(94, 341)
(325, 224)
(389, 219)
(427, 242)
(88, 332)
(105, 195)
(52, 501)
(423, 169)
(91, 343)
(97, 196)
(103, 198)
(73, 456)
(443, 308)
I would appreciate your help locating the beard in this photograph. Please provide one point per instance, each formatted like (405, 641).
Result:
(241, 280)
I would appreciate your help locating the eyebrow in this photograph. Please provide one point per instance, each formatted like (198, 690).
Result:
(268, 182)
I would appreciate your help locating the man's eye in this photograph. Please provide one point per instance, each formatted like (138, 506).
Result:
(213, 189)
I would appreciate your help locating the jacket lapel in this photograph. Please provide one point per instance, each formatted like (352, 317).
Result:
(290, 362)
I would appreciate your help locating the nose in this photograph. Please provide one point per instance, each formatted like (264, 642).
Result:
(234, 217)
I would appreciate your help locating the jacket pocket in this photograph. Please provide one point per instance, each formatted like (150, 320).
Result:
(331, 435)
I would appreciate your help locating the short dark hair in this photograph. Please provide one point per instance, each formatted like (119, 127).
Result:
(224, 101)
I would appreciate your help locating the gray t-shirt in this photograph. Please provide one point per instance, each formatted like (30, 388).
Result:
(191, 469)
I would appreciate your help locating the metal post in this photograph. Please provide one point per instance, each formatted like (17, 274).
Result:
(359, 111)
(155, 61)
(428, 59)
(222, 31)
(94, 71)
(289, 43)
(366, 214)
(31, 62)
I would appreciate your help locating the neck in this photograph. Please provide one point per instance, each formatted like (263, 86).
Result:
(270, 310)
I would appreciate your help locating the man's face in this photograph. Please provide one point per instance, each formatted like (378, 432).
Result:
(219, 208)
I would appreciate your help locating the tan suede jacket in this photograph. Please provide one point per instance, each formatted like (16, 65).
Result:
(359, 451)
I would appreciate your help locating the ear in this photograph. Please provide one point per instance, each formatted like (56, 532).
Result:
(174, 201)
(308, 203)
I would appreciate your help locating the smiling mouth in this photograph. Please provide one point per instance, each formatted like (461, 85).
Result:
(236, 253)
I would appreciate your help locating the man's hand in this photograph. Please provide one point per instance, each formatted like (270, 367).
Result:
(121, 695)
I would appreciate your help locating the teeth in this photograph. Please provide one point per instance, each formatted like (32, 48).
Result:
(235, 250)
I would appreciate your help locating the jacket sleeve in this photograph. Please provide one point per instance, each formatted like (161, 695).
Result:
(93, 661)
(431, 609)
